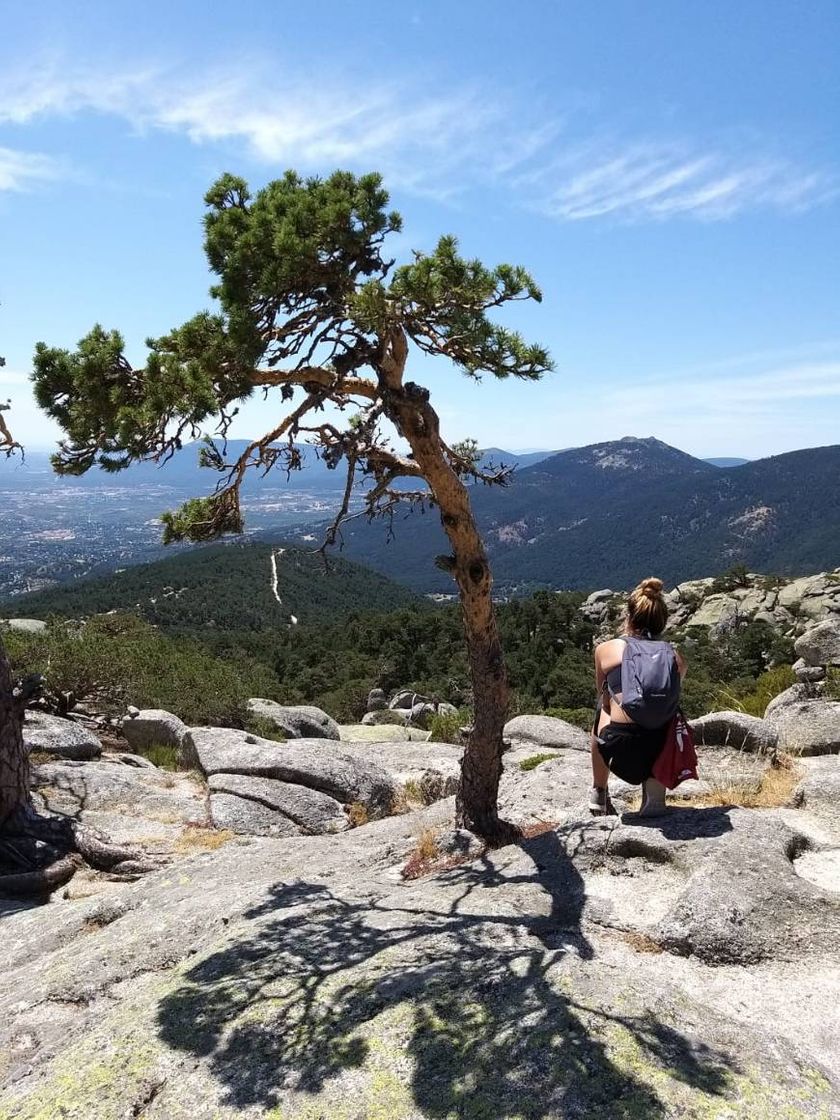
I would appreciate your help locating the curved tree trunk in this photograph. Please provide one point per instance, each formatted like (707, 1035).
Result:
(38, 853)
(14, 762)
(481, 767)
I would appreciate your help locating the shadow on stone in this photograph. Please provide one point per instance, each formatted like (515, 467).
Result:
(449, 972)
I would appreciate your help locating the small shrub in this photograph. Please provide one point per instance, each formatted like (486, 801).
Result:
(760, 691)
(831, 689)
(578, 717)
(446, 728)
(264, 728)
(534, 761)
(357, 814)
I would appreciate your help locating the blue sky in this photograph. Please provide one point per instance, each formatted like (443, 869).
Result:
(669, 171)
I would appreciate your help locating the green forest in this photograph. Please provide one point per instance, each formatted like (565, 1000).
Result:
(205, 675)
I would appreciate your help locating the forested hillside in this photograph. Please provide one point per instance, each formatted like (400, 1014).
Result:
(609, 514)
(227, 586)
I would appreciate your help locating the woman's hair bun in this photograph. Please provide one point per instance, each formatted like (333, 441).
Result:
(651, 588)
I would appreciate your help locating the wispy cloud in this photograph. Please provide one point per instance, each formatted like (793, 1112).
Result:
(20, 170)
(437, 145)
(646, 180)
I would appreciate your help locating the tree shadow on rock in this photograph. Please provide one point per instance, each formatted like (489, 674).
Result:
(463, 974)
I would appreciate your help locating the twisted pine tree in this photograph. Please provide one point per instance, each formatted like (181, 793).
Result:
(312, 313)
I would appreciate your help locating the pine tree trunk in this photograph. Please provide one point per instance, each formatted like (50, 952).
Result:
(14, 762)
(481, 767)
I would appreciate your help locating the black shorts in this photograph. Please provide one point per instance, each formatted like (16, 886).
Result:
(629, 750)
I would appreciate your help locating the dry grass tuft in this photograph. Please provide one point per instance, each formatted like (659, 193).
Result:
(199, 838)
(772, 792)
(357, 814)
(641, 942)
(538, 828)
(426, 857)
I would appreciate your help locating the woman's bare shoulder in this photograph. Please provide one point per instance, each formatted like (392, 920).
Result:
(609, 652)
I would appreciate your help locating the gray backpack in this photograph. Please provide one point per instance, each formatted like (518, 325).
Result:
(650, 682)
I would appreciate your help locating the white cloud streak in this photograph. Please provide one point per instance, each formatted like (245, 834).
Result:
(644, 181)
(438, 145)
(20, 171)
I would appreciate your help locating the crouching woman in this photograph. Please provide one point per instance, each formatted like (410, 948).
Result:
(620, 744)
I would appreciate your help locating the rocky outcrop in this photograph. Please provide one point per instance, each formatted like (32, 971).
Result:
(789, 606)
(820, 645)
(808, 727)
(130, 804)
(267, 807)
(23, 625)
(545, 731)
(155, 727)
(295, 721)
(317, 764)
(303, 977)
(60, 737)
(387, 717)
(736, 730)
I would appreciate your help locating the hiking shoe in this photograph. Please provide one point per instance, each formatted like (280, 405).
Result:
(600, 804)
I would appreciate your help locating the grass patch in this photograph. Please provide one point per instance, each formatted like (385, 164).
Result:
(534, 761)
(445, 728)
(199, 838)
(164, 755)
(264, 728)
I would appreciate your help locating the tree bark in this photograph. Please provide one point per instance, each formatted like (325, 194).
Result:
(481, 767)
(14, 762)
(38, 853)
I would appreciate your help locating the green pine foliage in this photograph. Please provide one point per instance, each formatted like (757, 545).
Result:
(117, 660)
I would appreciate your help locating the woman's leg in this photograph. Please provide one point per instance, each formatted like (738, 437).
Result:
(599, 798)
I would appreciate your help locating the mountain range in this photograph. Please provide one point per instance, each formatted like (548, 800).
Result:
(183, 473)
(611, 513)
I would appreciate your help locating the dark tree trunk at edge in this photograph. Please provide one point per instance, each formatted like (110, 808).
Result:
(14, 763)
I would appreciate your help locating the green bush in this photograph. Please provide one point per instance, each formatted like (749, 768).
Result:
(445, 728)
(753, 696)
(117, 660)
(264, 728)
(578, 717)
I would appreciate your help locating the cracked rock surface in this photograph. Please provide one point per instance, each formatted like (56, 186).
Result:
(685, 966)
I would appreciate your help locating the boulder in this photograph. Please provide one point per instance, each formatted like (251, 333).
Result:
(405, 698)
(296, 721)
(792, 695)
(744, 902)
(809, 727)
(393, 717)
(23, 625)
(545, 731)
(736, 730)
(376, 700)
(809, 674)
(819, 790)
(60, 737)
(292, 809)
(81, 788)
(318, 764)
(820, 645)
(248, 818)
(421, 715)
(371, 733)
(155, 727)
